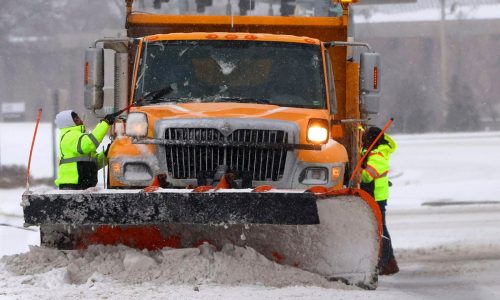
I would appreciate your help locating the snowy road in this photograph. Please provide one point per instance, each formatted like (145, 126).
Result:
(450, 252)
(444, 252)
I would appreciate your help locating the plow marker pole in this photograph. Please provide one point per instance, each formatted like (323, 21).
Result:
(31, 150)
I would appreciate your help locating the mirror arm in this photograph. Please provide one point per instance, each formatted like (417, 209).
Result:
(119, 45)
(346, 44)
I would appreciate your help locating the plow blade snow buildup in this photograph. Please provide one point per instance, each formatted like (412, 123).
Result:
(332, 233)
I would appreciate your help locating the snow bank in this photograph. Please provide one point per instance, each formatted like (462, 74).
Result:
(444, 168)
(231, 265)
(15, 151)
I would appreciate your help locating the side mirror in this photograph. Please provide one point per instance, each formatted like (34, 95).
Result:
(369, 82)
(94, 78)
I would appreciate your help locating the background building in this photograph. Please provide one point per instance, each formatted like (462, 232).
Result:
(440, 57)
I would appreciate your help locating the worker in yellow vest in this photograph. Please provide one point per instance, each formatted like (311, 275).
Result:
(79, 160)
(375, 181)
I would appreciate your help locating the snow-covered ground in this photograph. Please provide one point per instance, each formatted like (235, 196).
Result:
(443, 215)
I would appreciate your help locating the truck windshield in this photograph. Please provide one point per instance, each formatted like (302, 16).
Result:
(277, 73)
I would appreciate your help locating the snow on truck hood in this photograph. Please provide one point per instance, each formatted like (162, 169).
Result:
(230, 110)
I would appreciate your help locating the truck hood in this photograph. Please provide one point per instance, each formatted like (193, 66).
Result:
(300, 116)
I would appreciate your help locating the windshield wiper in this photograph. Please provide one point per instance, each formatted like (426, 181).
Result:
(177, 100)
(242, 100)
(154, 96)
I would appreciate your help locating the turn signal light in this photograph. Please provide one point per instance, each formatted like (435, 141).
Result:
(86, 76)
(116, 167)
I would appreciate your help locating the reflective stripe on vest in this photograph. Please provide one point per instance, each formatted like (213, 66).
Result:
(377, 153)
(374, 173)
(77, 159)
(91, 137)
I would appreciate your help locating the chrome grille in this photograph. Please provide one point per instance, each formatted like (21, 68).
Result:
(187, 161)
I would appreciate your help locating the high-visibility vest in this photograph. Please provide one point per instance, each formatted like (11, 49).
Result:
(79, 160)
(377, 169)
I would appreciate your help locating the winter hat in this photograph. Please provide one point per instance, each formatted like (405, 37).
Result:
(370, 135)
(65, 119)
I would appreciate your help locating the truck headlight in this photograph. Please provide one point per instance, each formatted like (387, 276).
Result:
(317, 131)
(137, 125)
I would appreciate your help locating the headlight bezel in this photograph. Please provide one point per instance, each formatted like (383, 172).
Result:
(316, 130)
(306, 180)
(137, 125)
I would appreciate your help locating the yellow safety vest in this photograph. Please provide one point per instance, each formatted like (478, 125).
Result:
(377, 168)
(79, 161)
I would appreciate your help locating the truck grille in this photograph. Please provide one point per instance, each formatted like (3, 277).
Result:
(187, 161)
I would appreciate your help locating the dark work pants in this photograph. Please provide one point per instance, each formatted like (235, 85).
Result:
(387, 252)
(65, 186)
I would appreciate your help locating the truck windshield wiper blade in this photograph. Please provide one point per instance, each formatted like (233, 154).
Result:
(173, 99)
(154, 96)
(242, 100)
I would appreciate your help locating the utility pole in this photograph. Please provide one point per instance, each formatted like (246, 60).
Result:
(444, 60)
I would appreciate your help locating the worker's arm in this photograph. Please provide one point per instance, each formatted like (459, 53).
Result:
(89, 142)
(377, 166)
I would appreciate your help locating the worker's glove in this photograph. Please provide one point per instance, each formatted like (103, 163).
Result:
(110, 118)
(363, 165)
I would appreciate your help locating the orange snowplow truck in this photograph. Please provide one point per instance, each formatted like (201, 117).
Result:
(239, 129)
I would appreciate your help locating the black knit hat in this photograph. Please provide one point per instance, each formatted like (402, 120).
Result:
(370, 135)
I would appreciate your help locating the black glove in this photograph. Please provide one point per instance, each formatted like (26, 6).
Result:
(110, 118)
(363, 165)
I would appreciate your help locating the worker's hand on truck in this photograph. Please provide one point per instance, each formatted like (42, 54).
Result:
(110, 118)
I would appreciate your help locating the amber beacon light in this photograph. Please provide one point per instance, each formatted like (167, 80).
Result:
(346, 1)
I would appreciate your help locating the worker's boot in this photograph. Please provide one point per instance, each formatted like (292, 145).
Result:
(390, 268)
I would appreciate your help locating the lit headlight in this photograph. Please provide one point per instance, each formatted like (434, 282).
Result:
(137, 125)
(317, 131)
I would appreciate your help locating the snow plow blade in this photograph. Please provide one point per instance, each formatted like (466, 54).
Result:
(333, 233)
